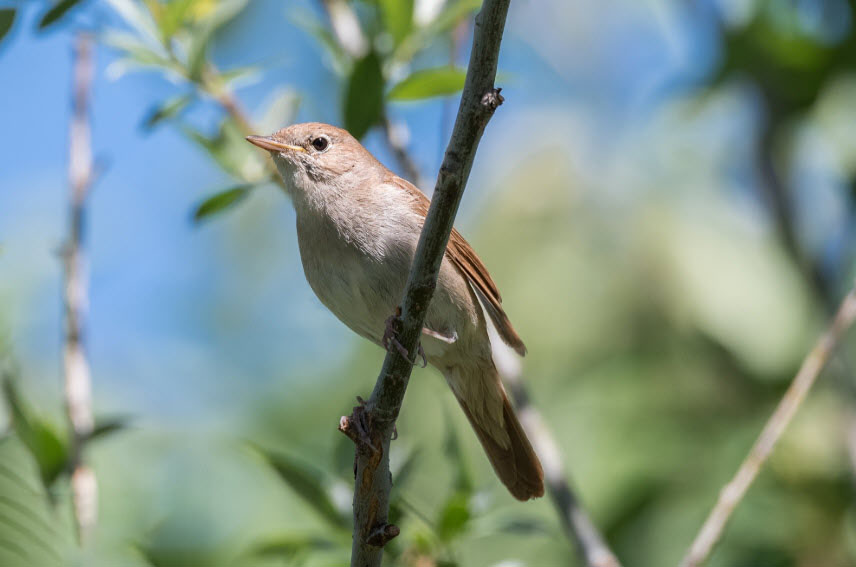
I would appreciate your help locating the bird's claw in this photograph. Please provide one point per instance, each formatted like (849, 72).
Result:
(389, 338)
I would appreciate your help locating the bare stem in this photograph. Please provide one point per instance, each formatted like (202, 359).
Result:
(402, 156)
(578, 526)
(733, 492)
(377, 419)
(77, 378)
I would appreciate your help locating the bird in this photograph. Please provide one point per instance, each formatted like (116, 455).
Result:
(358, 224)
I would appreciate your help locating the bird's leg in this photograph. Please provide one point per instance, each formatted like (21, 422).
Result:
(389, 334)
(389, 338)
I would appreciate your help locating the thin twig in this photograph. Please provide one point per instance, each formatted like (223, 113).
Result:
(78, 382)
(392, 133)
(576, 522)
(734, 491)
(377, 419)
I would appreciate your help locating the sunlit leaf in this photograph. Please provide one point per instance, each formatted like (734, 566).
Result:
(325, 38)
(138, 19)
(364, 96)
(240, 76)
(46, 446)
(221, 201)
(56, 12)
(7, 19)
(225, 12)
(134, 50)
(306, 481)
(165, 110)
(428, 83)
(397, 18)
(232, 152)
(454, 12)
(174, 14)
(280, 112)
(29, 535)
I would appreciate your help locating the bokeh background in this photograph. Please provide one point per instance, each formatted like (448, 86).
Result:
(665, 201)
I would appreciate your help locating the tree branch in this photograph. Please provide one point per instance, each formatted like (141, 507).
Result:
(377, 418)
(733, 492)
(78, 383)
(578, 526)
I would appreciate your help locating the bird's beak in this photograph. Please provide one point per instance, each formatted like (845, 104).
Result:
(268, 143)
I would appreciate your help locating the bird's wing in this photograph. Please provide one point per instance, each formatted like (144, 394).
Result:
(464, 257)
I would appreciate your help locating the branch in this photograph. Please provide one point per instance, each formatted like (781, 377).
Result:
(578, 526)
(732, 494)
(396, 143)
(377, 418)
(78, 383)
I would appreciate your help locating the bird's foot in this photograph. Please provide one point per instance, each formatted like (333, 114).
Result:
(390, 339)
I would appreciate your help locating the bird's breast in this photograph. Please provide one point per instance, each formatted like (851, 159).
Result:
(356, 269)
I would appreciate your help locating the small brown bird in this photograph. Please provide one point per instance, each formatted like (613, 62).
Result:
(357, 228)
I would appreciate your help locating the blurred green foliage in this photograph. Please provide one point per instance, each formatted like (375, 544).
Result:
(661, 335)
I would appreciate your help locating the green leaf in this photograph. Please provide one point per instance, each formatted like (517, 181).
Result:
(165, 110)
(225, 12)
(281, 110)
(29, 534)
(173, 16)
(105, 428)
(240, 76)
(306, 21)
(138, 19)
(7, 19)
(364, 96)
(57, 12)
(429, 83)
(454, 517)
(51, 452)
(452, 14)
(306, 482)
(397, 18)
(138, 53)
(231, 151)
(221, 201)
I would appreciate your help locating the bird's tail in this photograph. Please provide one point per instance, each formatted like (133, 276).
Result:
(482, 397)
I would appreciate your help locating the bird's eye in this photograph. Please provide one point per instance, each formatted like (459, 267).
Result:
(320, 143)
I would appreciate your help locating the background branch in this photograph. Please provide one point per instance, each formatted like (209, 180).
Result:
(478, 102)
(733, 492)
(77, 379)
(576, 522)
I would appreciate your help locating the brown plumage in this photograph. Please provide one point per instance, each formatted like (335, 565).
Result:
(357, 227)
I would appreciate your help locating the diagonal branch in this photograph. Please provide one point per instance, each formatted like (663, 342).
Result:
(576, 522)
(78, 382)
(733, 492)
(478, 102)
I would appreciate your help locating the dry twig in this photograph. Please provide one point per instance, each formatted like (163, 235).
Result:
(77, 378)
(733, 492)
(579, 527)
